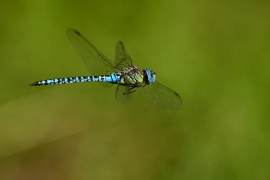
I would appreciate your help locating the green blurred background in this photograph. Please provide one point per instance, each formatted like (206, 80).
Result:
(215, 54)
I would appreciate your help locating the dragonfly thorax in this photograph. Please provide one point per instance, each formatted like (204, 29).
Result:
(134, 76)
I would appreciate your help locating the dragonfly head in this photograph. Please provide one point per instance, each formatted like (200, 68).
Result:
(150, 76)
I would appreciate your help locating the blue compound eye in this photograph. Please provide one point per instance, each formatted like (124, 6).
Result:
(150, 76)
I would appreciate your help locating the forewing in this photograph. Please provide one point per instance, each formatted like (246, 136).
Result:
(120, 96)
(160, 95)
(95, 61)
(122, 59)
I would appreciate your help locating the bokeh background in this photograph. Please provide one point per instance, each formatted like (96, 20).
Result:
(215, 54)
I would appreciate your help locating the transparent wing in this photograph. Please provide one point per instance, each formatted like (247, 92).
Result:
(160, 95)
(122, 59)
(95, 61)
(119, 94)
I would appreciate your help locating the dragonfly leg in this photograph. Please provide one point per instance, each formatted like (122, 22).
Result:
(129, 91)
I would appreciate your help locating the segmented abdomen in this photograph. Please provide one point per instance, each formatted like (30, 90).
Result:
(113, 78)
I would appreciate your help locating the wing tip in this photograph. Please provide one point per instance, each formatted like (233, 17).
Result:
(73, 30)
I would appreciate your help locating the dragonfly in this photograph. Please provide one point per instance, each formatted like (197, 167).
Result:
(122, 72)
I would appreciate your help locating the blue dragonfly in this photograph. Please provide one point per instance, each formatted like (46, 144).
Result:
(128, 78)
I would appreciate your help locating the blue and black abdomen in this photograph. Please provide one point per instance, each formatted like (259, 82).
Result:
(112, 78)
